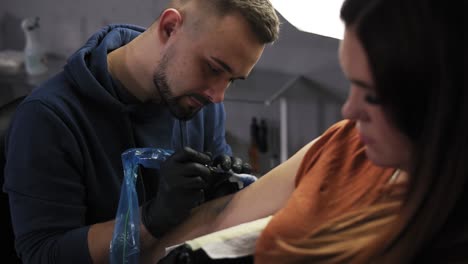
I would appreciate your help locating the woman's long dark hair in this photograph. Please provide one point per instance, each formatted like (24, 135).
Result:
(418, 75)
(410, 47)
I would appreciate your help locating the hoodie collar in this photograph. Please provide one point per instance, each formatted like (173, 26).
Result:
(87, 67)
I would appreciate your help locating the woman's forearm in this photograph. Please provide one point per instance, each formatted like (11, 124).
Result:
(202, 221)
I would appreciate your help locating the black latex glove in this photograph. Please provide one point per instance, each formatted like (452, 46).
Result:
(219, 184)
(227, 163)
(182, 180)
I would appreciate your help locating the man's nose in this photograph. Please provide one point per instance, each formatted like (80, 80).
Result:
(217, 91)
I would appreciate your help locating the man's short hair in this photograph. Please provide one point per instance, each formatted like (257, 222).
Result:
(260, 14)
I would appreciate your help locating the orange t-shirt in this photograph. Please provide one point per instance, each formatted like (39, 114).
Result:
(335, 176)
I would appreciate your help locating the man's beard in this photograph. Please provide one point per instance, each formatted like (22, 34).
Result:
(174, 102)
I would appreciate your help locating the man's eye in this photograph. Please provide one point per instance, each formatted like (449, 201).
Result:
(372, 99)
(214, 70)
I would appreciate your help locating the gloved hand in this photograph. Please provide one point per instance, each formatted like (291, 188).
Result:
(224, 167)
(182, 180)
(235, 164)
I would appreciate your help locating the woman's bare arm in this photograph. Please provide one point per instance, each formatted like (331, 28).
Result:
(260, 199)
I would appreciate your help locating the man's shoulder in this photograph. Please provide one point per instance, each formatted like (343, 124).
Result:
(52, 93)
(58, 86)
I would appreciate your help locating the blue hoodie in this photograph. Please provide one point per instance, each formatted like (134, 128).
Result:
(64, 171)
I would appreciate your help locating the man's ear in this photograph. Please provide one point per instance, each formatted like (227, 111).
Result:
(169, 22)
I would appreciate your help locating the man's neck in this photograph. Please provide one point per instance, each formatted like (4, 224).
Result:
(121, 66)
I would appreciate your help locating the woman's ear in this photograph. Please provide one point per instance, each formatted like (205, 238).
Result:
(169, 22)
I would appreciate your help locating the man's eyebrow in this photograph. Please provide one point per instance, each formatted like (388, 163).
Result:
(227, 68)
(362, 84)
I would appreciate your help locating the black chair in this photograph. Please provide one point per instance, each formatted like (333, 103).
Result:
(8, 249)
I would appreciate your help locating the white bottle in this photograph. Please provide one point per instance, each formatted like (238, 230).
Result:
(34, 57)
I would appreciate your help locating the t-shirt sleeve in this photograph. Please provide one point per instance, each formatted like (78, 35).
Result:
(315, 150)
